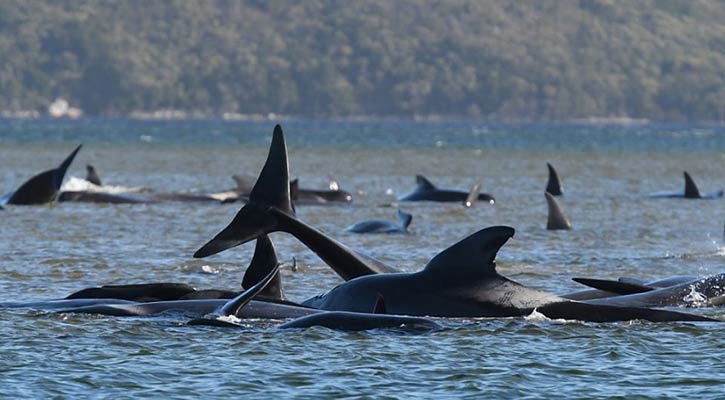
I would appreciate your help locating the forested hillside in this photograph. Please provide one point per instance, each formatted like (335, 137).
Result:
(524, 60)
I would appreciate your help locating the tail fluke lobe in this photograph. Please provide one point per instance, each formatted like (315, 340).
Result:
(264, 260)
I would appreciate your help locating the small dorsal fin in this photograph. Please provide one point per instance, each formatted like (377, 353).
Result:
(472, 256)
(294, 189)
(92, 175)
(618, 287)
(263, 261)
(554, 184)
(380, 305)
(691, 190)
(272, 186)
(557, 219)
(244, 183)
(234, 305)
(404, 219)
(423, 183)
(472, 196)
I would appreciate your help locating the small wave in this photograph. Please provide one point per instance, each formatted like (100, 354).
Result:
(75, 184)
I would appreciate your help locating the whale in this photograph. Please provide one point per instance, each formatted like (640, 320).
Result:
(228, 315)
(691, 191)
(42, 188)
(553, 185)
(556, 220)
(383, 226)
(264, 255)
(269, 209)
(461, 281)
(301, 196)
(426, 191)
(622, 286)
(694, 293)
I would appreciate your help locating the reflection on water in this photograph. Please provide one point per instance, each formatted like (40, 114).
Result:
(607, 172)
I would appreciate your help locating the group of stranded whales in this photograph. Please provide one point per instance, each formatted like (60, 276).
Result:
(461, 281)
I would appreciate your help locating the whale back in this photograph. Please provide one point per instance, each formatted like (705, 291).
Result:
(43, 188)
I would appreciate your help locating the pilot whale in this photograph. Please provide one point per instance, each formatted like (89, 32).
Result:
(426, 191)
(691, 191)
(459, 282)
(227, 315)
(383, 226)
(42, 188)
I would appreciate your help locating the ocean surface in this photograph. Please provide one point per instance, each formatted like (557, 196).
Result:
(607, 171)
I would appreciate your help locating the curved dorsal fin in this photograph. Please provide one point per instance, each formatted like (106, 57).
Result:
(234, 305)
(473, 256)
(472, 196)
(619, 287)
(557, 219)
(272, 186)
(691, 190)
(92, 175)
(294, 189)
(554, 184)
(423, 183)
(263, 261)
(380, 305)
(404, 219)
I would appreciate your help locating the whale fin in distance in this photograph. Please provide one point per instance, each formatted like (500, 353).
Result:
(691, 189)
(557, 219)
(553, 186)
(43, 188)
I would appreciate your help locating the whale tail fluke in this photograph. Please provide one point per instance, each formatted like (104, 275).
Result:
(233, 306)
(554, 184)
(43, 188)
(272, 190)
(691, 189)
(263, 261)
(557, 219)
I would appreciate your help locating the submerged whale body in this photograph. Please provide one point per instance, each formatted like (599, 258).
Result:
(691, 191)
(426, 191)
(383, 226)
(42, 188)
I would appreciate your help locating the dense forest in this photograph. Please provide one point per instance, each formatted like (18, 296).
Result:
(504, 59)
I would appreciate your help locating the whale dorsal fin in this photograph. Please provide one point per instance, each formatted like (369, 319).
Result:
(473, 256)
(472, 196)
(272, 186)
(244, 183)
(233, 306)
(294, 189)
(92, 175)
(424, 183)
(263, 261)
(43, 188)
(619, 287)
(557, 219)
(404, 219)
(691, 190)
(380, 305)
(554, 184)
